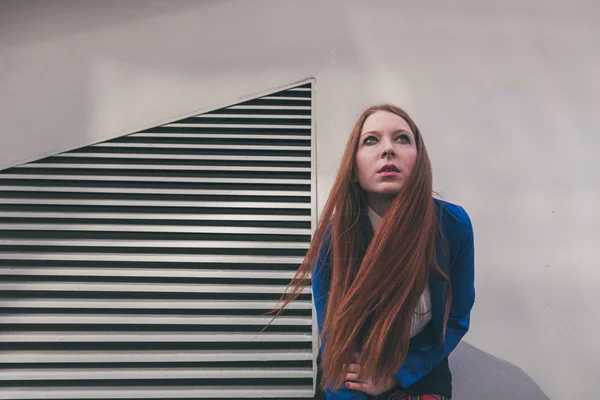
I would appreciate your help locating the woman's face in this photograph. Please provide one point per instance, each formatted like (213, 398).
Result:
(386, 154)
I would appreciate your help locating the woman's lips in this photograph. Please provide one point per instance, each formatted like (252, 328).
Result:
(389, 173)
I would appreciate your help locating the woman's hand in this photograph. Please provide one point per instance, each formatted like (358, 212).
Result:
(368, 386)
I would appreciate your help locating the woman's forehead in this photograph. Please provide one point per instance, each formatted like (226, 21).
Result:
(384, 121)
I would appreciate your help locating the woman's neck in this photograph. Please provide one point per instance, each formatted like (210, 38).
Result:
(380, 203)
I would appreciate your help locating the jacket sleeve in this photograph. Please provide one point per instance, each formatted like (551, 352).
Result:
(320, 291)
(418, 364)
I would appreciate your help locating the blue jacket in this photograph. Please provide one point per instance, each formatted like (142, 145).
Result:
(426, 351)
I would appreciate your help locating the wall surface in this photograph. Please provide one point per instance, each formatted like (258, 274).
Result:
(506, 94)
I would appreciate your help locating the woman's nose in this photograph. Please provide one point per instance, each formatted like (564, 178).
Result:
(388, 151)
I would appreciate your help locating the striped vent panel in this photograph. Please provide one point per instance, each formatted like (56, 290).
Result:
(141, 267)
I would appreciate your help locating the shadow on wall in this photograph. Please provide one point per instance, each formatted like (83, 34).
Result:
(479, 375)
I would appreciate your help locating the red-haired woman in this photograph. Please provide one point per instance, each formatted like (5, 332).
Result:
(392, 268)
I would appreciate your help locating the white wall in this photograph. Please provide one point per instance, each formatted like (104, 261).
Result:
(506, 93)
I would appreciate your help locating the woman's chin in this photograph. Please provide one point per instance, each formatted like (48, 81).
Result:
(388, 190)
(385, 192)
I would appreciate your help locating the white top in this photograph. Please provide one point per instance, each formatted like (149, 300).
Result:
(423, 311)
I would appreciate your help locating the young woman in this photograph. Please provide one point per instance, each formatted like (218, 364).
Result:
(392, 268)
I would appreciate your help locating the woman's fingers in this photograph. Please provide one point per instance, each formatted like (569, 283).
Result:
(353, 371)
(354, 368)
(351, 377)
(356, 386)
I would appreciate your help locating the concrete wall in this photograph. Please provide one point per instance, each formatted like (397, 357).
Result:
(506, 93)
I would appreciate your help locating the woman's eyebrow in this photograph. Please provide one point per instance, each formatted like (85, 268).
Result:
(371, 132)
(403, 131)
(378, 133)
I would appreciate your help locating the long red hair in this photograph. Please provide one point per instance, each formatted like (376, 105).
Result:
(377, 277)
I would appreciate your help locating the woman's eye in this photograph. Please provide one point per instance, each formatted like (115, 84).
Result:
(403, 138)
(369, 139)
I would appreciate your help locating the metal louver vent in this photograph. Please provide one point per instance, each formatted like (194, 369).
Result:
(140, 267)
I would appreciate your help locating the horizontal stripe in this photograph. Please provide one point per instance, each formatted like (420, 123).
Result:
(172, 258)
(253, 116)
(152, 373)
(242, 126)
(194, 244)
(269, 108)
(200, 244)
(154, 179)
(154, 216)
(167, 272)
(157, 392)
(156, 203)
(207, 192)
(150, 356)
(136, 288)
(183, 157)
(164, 167)
(153, 304)
(142, 319)
(248, 147)
(220, 136)
(283, 97)
(171, 337)
(151, 244)
(155, 228)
